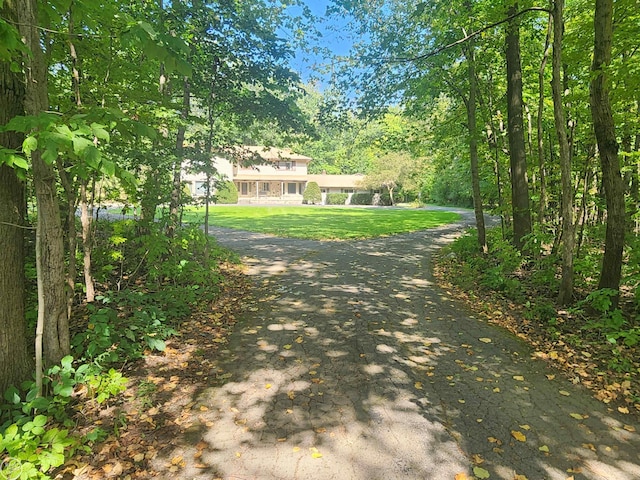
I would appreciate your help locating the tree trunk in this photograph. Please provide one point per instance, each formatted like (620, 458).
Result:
(56, 323)
(15, 361)
(176, 191)
(565, 295)
(517, 149)
(604, 127)
(86, 218)
(473, 147)
(70, 195)
(542, 206)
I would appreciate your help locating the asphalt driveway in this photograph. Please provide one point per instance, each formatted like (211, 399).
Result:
(351, 364)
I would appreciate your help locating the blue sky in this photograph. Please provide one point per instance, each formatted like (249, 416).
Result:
(335, 38)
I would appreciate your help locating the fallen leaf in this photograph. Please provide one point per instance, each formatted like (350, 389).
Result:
(589, 446)
(461, 476)
(299, 340)
(477, 459)
(287, 347)
(496, 390)
(519, 477)
(480, 472)
(485, 340)
(519, 436)
(564, 392)
(577, 416)
(544, 449)
(268, 386)
(525, 427)
(519, 378)
(629, 428)
(550, 377)
(462, 401)
(623, 410)
(177, 460)
(418, 385)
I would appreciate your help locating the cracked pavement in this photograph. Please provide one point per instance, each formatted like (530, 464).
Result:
(352, 364)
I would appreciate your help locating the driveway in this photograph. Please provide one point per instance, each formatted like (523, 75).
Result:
(351, 364)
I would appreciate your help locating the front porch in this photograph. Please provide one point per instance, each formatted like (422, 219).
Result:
(278, 192)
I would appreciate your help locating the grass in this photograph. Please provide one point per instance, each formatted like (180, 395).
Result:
(322, 223)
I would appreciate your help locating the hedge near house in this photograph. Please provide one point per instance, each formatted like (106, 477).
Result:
(227, 192)
(337, 198)
(312, 194)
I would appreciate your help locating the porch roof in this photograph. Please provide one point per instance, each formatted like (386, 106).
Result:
(336, 181)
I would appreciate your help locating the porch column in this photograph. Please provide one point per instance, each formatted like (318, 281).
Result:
(257, 191)
(281, 189)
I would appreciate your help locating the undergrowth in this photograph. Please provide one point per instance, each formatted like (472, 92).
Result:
(148, 283)
(594, 326)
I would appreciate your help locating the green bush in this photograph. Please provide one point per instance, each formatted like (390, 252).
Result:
(226, 192)
(336, 198)
(362, 199)
(312, 194)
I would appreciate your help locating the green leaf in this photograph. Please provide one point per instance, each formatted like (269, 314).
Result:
(66, 362)
(481, 472)
(100, 132)
(40, 420)
(80, 144)
(29, 145)
(108, 167)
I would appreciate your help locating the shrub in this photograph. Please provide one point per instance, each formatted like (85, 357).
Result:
(337, 198)
(381, 200)
(362, 199)
(312, 194)
(226, 192)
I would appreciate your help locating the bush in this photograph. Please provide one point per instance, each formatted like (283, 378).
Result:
(226, 192)
(312, 194)
(362, 199)
(337, 198)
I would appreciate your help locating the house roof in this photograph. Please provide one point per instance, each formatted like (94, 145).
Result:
(336, 181)
(270, 154)
(270, 178)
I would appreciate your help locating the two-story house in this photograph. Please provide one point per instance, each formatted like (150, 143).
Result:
(271, 175)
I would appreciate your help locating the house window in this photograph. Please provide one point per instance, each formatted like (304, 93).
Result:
(292, 188)
(201, 188)
(244, 188)
(282, 165)
(346, 190)
(265, 186)
(300, 188)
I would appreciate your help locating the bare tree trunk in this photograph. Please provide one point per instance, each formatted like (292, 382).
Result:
(86, 218)
(473, 147)
(15, 361)
(176, 191)
(56, 321)
(604, 127)
(517, 149)
(542, 206)
(70, 195)
(565, 295)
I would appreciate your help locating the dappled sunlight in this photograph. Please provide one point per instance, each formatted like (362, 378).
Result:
(354, 366)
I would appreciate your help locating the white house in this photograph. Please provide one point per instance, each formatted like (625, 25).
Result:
(271, 175)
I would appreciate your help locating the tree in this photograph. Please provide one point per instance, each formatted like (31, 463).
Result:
(15, 362)
(568, 228)
(53, 304)
(603, 124)
(226, 192)
(517, 150)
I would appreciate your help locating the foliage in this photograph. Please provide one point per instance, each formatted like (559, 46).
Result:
(35, 434)
(312, 194)
(361, 198)
(336, 198)
(226, 192)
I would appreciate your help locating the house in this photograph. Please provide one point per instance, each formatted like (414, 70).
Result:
(271, 175)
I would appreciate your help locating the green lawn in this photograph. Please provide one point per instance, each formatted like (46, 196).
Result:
(322, 223)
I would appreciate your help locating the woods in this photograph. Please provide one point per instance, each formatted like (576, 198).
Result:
(528, 111)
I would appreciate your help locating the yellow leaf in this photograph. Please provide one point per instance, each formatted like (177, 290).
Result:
(268, 386)
(299, 340)
(550, 377)
(461, 476)
(481, 472)
(519, 477)
(461, 401)
(623, 410)
(519, 378)
(577, 416)
(525, 427)
(296, 449)
(519, 436)
(477, 459)
(496, 390)
(287, 347)
(544, 449)
(485, 340)
(418, 385)
(565, 393)
(291, 394)
(177, 460)
(553, 355)
(629, 428)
